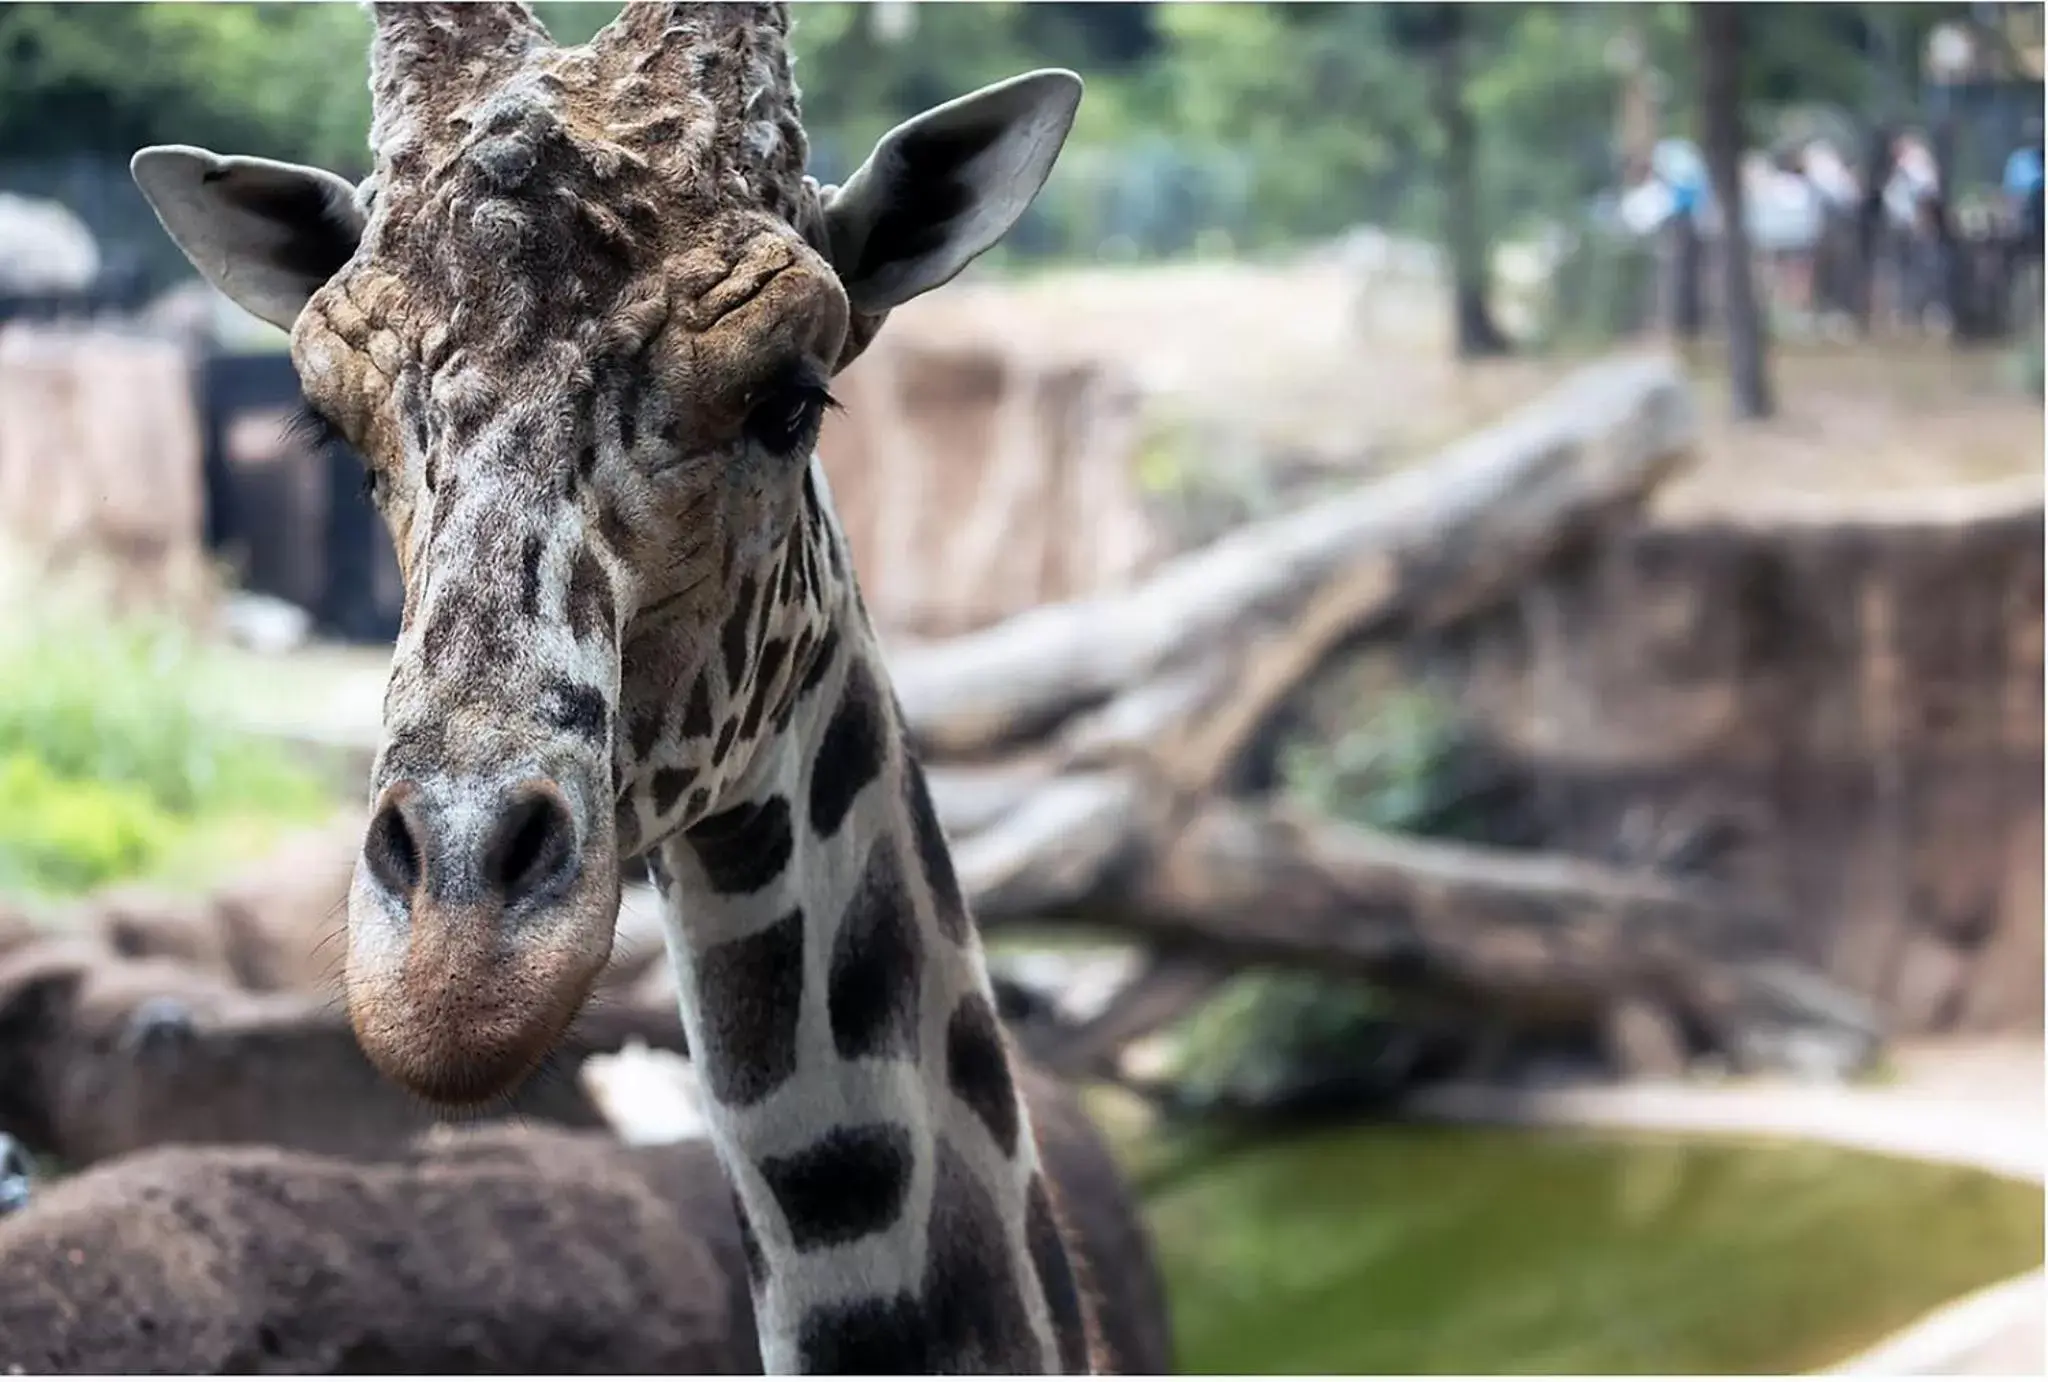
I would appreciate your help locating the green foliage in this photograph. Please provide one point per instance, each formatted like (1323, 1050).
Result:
(1254, 1041)
(1393, 771)
(1259, 124)
(1268, 1032)
(277, 79)
(109, 762)
(1316, 98)
(63, 835)
(110, 702)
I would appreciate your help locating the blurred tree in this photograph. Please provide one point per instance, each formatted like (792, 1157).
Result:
(1326, 109)
(1271, 123)
(1442, 34)
(1718, 32)
(258, 78)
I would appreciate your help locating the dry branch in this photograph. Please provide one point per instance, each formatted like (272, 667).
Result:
(1420, 547)
(1272, 884)
(1170, 987)
(1056, 849)
(1542, 937)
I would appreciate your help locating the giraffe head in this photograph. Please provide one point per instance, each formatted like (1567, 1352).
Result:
(580, 321)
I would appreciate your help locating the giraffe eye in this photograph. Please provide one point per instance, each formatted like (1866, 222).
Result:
(787, 419)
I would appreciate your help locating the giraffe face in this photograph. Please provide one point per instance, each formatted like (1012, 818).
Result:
(580, 324)
(600, 529)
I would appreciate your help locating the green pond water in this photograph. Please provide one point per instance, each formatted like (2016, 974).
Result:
(1447, 1250)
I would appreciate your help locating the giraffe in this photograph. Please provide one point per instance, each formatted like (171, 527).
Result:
(581, 321)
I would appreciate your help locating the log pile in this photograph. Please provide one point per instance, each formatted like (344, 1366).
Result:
(1091, 761)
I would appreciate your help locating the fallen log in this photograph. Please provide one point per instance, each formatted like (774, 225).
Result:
(1514, 918)
(1541, 937)
(1420, 546)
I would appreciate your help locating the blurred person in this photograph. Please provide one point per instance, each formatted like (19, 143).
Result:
(1836, 257)
(1784, 213)
(1912, 202)
(2022, 186)
(1823, 165)
(1674, 201)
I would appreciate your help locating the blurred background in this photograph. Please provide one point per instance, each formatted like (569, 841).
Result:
(1553, 881)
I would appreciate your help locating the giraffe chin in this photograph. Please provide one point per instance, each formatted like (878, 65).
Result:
(472, 1003)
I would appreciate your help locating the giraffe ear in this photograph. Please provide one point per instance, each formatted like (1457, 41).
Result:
(946, 185)
(266, 234)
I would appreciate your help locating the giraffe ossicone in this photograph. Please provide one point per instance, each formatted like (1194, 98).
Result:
(581, 321)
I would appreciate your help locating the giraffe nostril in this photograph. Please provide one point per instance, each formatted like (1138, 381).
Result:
(532, 847)
(391, 849)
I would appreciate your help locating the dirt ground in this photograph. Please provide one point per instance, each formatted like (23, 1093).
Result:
(1308, 358)
(2006, 1073)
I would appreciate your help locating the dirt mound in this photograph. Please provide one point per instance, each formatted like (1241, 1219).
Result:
(517, 1252)
(514, 1250)
(277, 927)
(101, 1055)
(975, 481)
(100, 459)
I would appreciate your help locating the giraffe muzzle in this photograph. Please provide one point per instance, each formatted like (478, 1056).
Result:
(478, 925)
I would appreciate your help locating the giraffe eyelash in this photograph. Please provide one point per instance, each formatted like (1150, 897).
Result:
(792, 412)
(309, 427)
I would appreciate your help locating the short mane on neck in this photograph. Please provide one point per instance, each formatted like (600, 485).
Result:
(859, 1086)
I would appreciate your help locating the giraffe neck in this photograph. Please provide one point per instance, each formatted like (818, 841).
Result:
(859, 1090)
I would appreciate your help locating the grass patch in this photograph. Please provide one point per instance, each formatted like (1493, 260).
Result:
(113, 767)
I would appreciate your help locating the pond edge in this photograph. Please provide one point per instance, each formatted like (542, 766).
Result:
(1937, 1343)
(1954, 1132)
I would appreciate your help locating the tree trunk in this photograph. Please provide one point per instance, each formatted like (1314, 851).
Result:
(1717, 33)
(1688, 313)
(1476, 333)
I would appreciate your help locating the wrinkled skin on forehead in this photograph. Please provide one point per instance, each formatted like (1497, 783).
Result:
(580, 324)
(617, 450)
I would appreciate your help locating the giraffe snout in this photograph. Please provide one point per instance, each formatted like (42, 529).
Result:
(478, 925)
